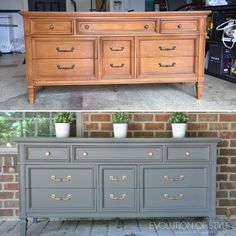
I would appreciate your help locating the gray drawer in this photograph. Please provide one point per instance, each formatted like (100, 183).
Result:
(154, 177)
(117, 200)
(56, 199)
(108, 153)
(44, 177)
(48, 153)
(188, 153)
(174, 198)
(118, 177)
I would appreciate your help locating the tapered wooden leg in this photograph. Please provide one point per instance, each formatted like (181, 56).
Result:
(115, 87)
(199, 90)
(212, 226)
(35, 220)
(31, 94)
(23, 227)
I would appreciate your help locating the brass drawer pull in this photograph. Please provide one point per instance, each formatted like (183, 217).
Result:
(188, 154)
(146, 26)
(52, 27)
(179, 26)
(47, 154)
(65, 50)
(163, 65)
(168, 197)
(168, 178)
(59, 67)
(122, 178)
(113, 66)
(86, 27)
(54, 197)
(167, 49)
(65, 179)
(113, 197)
(117, 49)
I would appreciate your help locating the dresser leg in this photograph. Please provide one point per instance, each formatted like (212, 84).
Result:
(31, 95)
(118, 223)
(212, 226)
(199, 90)
(23, 227)
(115, 88)
(35, 220)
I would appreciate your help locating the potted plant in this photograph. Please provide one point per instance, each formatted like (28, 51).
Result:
(62, 124)
(179, 124)
(120, 124)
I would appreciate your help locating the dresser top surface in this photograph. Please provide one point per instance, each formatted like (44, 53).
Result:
(115, 14)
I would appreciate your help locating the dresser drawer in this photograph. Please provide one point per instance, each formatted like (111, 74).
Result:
(119, 200)
(178, 26)
(188, 153)
(118, 177)
(108, 27)
(51, 26)
(56, 69)
(182, 199)
(61, 199)
(46, 48)
(44, 177)
(117, 48)
(164, 65)
(117, 67)
(151, 153)
(166, 48)
(48, 153)
(153, 177)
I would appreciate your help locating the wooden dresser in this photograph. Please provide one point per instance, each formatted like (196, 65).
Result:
(114, 48)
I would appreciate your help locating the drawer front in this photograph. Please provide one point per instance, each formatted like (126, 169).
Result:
(108, 27)
(112, 153)
(64, 49)
(119, 200)
(56, 199)
(178, 26)
(61, 177)
(166, 48)
(188, 154)
(51, 26)
(61, 68)
(164, 65)
(49, 153)
(172, 177)
(174, 198)
(116, 48)
(117, 67)
(118, 177)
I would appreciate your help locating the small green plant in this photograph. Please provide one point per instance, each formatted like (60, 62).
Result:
(64, 117)
(120, 118)
(179, 117)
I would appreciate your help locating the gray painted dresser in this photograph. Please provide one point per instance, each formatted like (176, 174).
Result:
(116, 178)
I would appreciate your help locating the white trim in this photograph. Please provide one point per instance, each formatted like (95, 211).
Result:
(8, 151)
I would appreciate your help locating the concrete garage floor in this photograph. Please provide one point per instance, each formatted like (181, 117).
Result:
(218, 94)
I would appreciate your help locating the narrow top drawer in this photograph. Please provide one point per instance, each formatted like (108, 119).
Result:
(51, 26)
(188, 153)
(48, 153)
(107, 27)
(178, 26)
(151, 153)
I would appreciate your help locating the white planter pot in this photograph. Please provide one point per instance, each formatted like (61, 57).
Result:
(120, 130)
(62, 130)
(179, 130)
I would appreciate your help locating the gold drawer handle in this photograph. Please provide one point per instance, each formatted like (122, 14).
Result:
(188, 154)
(113, 197)
(47, 154)
(85, 154)
(146, 26)
(168, 197)
(65, 179)
(117, 49)
(168, 178)
(122, 178)
(86, 27)
(59, 67)
(66, 198)
(164, 65)
(113, 66)
(167, 49)
(65, 50)
(52, 27)
(179, 26)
